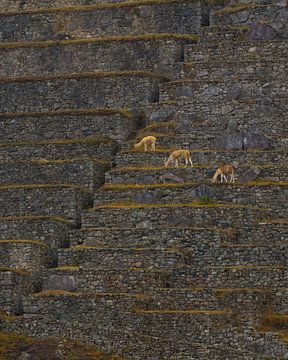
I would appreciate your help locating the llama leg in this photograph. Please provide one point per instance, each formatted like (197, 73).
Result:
(225, 178)
(190, 161)
(176, 163)
(145, 147)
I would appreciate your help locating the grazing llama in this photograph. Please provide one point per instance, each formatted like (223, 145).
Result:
(146, 141)
(175, 155)
(223, 171)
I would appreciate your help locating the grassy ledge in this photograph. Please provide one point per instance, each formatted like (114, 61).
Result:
(85, 140)
(85, 75)
(67, 9)
(17, 271)
(236, 8)
(40, 186)
(182, 312)
(101, 112)
(35, 218)
(99, 40)
(52, 162)
(56, 293)
(229, 291)
(24, 242)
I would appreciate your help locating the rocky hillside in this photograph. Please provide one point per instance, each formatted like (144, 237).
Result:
(100, 242)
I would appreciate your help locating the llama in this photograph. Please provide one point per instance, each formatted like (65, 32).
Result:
(175, 155)
(223, 171)
(146, 141)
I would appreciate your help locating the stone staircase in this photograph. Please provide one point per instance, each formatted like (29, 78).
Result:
(102, 243)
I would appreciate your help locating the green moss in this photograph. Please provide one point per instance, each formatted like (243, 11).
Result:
(84, 75)
(98, 40)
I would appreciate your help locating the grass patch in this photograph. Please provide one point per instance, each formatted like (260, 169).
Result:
(123, 187)
(101, 112)
(47, 293)
(85, 75)
(155, 168)
(236, 8)
(32, 242)
(259, 267)
(12, 347)
(40, 186)
(182, 312)
(17, 271)
(96, 40)
(132, 205)
(276, 321)
(67, 9)
(229, 291)
(53, 162)
(35, 218)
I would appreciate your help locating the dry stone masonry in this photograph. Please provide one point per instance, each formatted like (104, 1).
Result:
(102, 243)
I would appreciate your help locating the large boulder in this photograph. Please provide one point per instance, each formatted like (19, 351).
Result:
(260, 31)
(230, 141)
(250, 175)
(60, 282)
(256, 141)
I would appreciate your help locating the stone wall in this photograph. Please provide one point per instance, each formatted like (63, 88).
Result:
(68, 149)
(271, 196)
(152, 53)
(205, 157)
(273, 14)
(61, 201)
(86, 174)
(172, 175)
(50, 231)
(94, 90)
(36, 127)
(180, 216)
(233, 51)
(33, 256)
(121, 19)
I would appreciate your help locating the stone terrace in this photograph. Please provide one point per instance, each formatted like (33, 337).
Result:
(102, 243)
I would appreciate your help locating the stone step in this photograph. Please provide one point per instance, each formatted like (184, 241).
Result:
(247, 14)
(157, 175)
(264, 277)
(97, 148)
(115, 124)
(249, 116)
(79, 91)
(207, 254)
(89, 257)
(221, 90)
(149, 52)
(264, 69)
(236, 50)
(157, 238)
(125, 18)
(52, 231)
(269, 195)
(47, 200)
(263, 233)
(133, 280)
(85, 174)
(29, 255)
(169, 215)
(203, 157)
